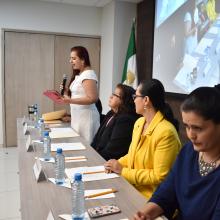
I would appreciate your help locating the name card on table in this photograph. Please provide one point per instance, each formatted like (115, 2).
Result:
(25, 129)
(38, 171)
(29, 145)
(50, 216)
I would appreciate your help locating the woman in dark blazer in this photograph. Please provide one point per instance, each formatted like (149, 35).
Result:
(115, 132)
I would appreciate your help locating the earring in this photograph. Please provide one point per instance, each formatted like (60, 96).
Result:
(145, 107)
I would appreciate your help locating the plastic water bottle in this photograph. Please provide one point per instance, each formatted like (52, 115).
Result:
(41, 127)
(59, 166)
(47, 146)
(78, 204)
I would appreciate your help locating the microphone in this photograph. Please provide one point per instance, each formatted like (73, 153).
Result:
(63, 84)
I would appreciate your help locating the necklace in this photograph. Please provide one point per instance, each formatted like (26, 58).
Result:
(205, 168)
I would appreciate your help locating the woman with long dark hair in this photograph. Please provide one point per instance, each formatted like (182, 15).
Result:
(82, 94)
(155, 142)
(114, 135)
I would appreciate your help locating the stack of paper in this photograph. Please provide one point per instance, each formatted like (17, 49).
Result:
(62, 133)
(68, 146)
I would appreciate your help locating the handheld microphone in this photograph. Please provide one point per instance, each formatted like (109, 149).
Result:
(63, 84)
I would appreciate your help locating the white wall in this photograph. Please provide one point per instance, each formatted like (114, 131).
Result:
(117, 19)
(124, 14)
(112, 23)
(107, 42)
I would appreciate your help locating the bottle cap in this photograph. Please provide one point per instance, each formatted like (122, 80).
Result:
(59, 150)
(46, 133)
(77, 176)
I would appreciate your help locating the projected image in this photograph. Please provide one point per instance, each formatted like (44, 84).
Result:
(187, 47)
(165, 8)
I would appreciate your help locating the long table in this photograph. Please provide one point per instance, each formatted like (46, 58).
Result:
(38, 198)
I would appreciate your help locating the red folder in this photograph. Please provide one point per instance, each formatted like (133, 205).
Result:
(54, 95)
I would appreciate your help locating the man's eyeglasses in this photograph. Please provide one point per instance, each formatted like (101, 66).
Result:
(136, 96)
(116, 95)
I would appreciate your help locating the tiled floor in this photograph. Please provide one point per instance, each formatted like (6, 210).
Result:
(9, 184)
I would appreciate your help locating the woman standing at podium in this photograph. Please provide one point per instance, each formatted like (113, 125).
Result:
(82, 94)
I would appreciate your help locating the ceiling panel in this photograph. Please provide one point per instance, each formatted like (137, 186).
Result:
(94, 3)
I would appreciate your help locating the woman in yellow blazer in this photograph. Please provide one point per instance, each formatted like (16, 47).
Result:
(155, 142)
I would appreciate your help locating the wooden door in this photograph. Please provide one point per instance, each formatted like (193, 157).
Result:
(29, 70)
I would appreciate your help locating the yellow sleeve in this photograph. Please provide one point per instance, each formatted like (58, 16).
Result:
(124, 161)
(165, 154)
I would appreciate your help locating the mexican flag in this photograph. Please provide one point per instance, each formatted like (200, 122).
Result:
(129, 76)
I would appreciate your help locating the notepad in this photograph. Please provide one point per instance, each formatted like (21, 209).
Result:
(95, 173)
(62, 133)
(68, 146)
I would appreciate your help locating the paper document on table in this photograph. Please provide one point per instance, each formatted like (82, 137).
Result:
(68, 146)
(90, 173)
(62, 133)
(54, 125)
(203, 44)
